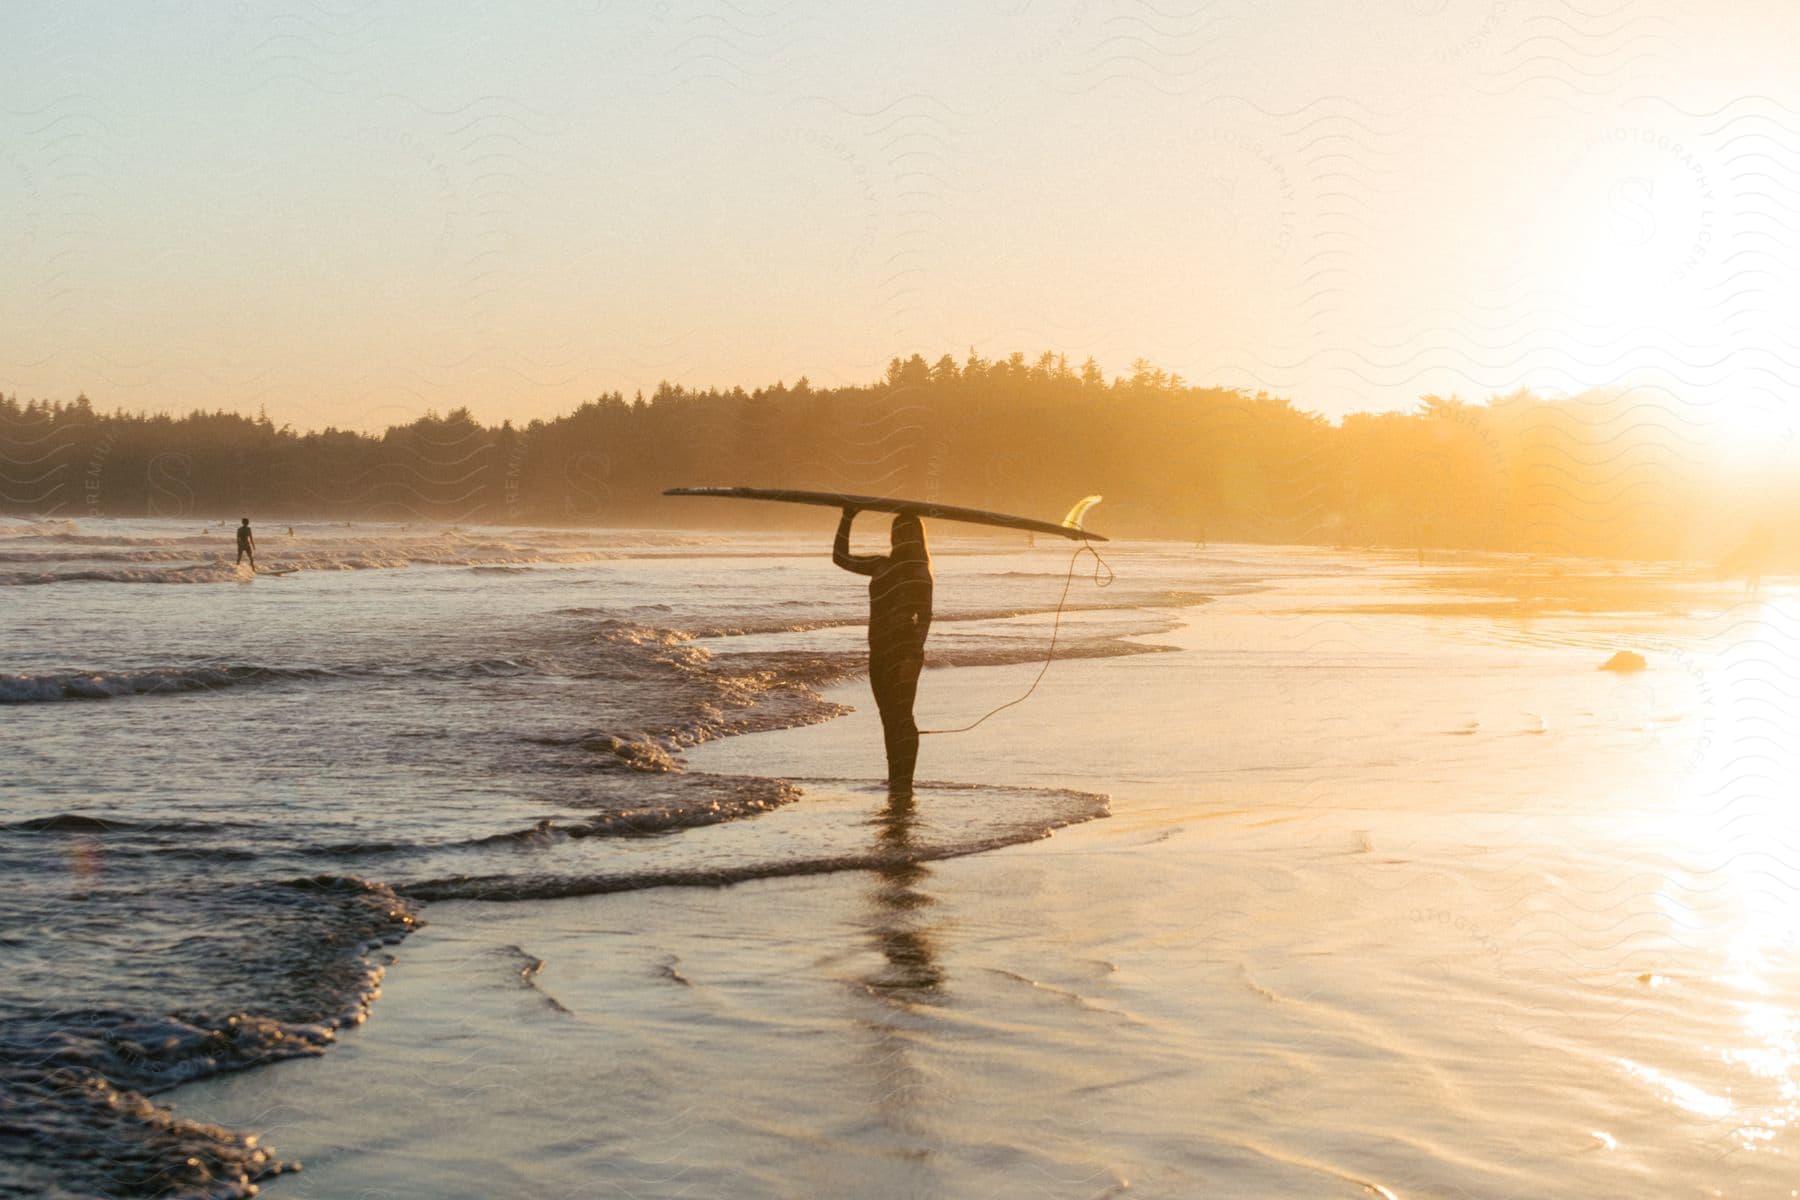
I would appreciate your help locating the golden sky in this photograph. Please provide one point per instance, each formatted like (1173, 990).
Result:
(347, 213)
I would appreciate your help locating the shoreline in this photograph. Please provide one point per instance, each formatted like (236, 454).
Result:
(305, 1110)
(1362, 874)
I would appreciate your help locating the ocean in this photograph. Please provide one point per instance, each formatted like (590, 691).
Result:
(1302, 872)
(227, 793)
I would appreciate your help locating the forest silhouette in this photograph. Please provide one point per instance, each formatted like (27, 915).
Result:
(1611, 473)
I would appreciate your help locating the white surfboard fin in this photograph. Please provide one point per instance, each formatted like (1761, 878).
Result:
(1076, 514)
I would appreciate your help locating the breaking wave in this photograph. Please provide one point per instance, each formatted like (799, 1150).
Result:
(211, 902)
(77, 1079)
(52, 686)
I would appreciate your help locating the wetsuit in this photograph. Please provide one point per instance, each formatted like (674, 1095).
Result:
(899, 620)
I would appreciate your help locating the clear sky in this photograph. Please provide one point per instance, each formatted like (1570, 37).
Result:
(350, 212)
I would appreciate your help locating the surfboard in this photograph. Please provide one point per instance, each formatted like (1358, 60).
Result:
(276, 570)
(1070, 526)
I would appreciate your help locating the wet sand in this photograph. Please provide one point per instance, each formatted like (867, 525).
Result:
(1388, 904)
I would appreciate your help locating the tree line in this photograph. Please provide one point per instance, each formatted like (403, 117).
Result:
(1606, 473)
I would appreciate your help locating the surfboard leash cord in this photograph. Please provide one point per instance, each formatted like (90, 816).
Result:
(1103, 577)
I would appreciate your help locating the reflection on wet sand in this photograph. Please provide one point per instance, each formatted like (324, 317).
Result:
(899, 927)
(896, 1001)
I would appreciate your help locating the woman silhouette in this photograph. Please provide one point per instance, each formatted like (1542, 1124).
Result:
(899, 619)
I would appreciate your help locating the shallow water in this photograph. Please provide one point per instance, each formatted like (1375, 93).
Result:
(1388, 905)
(226, 791)
(1399, 893)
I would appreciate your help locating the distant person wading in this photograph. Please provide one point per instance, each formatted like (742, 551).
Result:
(899, 619)
(246, 544)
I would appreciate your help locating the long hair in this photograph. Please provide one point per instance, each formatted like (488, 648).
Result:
(906, 539)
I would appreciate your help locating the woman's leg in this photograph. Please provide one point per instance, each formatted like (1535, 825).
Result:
(894, 678)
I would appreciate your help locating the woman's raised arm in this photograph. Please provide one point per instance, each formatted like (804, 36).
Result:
(862, 564)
